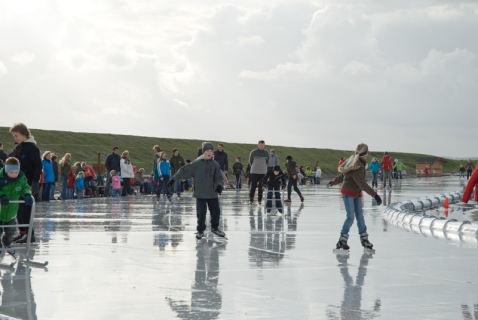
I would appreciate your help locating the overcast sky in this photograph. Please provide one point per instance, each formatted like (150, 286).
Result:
(397, 75)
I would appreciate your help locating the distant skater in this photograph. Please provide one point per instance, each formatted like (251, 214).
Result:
(258, 159)
(274, 180)
(387, 165)
(469, 168)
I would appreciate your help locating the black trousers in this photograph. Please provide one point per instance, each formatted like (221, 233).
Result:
(292, 183)
(126, 186)
(201, 210)
(256, 181)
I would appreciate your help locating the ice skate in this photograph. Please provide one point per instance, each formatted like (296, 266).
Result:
(367, 245)
(342, 246)
(219, 233)
(199, 235)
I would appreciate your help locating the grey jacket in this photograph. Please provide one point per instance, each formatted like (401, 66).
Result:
(273, 161)
(258, 160)
(207, 176)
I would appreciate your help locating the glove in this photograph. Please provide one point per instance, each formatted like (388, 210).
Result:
(378, 199)
(219, 189)
(28, 200)
(170, 183)
(35, 187)
(5, 200)
(330, 184)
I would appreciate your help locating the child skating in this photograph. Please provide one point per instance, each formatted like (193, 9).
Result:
(274, 180)
(13, 184)
(208, 183)
(353, 178)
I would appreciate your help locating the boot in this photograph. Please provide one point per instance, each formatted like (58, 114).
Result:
(342, 243)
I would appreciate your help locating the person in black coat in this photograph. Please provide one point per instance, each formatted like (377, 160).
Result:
(221, 157)
(112, 163)
(274, 180)
(30, 164)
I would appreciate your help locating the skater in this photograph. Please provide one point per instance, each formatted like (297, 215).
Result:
(318, 175)
(80, 185)
(274, 180)
(462, 171)
(375, 167)
(112, 162)
(353, 178)
(258, 159)
(49, 178)
(13, 185)
(163, 171)
(292, 174)
(469, 169)
(28, 154)
(399, 166)
(427, 171)
(237, 167)
(208, 183)
(273, 160)
(176, 162)
(387, 164)
(115, 183)
(126, 172)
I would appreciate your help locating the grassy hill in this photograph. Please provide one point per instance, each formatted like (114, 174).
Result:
(85, 147)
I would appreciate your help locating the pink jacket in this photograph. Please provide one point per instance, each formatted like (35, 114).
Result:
(115, 181)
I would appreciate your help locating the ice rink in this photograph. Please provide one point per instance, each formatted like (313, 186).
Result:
(136, 258)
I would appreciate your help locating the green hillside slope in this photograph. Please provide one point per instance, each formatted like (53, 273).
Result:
(85, 147)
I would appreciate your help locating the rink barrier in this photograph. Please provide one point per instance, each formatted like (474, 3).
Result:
(412, 216)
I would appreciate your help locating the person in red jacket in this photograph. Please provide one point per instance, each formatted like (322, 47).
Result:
(471, 184)
(71, 185)
(427, 171)
(387, 166)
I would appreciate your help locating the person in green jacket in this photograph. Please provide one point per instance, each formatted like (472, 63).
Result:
(399, 166)
(13, 184)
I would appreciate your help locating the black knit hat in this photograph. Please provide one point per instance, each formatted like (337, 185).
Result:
(207, 146)
(277, 168)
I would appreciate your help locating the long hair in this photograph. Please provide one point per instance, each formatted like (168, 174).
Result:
(66, 157)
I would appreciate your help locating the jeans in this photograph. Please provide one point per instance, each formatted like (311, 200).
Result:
(292, 183)
(45, 194)
(70, 192)
(238, 181)
(177, 186)
(381, 175)
(89, 183)
(256, 179)
(399, 174)
(148, 187)
(52, 191)
(388, 174)
(317, 180)
(157, 186)
(164, 185)
(141, 186)
(201, 210)
(108, 184)
(276, 192)
(462, 174)
(79, 193)
(353, 207)
(311, 179)
(116, 193)
(64, 187)
(374, 179)
(468, 174)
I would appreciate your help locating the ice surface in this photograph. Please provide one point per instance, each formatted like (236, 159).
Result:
(134, 258)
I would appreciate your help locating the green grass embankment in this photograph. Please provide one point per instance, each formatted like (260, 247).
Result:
(85, 147)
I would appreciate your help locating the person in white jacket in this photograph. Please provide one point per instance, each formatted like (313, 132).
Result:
(126, 172)
(318, 175)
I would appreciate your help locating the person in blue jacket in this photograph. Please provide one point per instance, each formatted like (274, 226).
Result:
(49, 175)
(375, 166)
(164, 175)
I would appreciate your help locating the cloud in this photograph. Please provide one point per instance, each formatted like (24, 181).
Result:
(355, 67)
(24, 58)
(250, 41)
(3, 69)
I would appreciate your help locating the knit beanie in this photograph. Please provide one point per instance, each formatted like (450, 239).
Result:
(277, 168)
(207, 146)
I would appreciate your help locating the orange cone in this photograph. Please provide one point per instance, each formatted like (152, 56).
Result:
(446, 212)
(446, 203)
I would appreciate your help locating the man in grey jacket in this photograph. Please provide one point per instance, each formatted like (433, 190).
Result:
(208, 183)
(258, 159)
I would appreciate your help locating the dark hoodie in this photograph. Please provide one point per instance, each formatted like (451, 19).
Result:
(30, 160)
(273, 180)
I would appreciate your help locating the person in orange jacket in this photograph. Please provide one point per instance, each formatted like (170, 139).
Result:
(387, 166)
